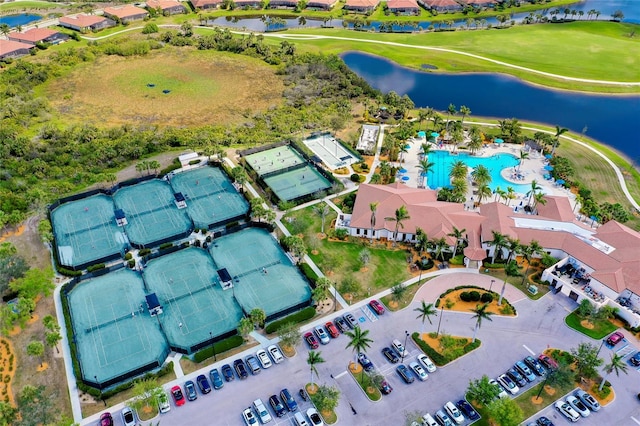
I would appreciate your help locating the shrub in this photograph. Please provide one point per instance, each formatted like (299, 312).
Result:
(355, 178)
(208, 239)
(511, 269)
(96, 267)
(165, 246)
(308, 272)
(474, 296)
(448, 303)
(144, 252)
(435, 356)
(507, 309)
(465, 296)
(131, 263)
(150, 28)
(221, 346)
(194, 162)
(69, 272)
(486, 298)
(341, 234)
(128, 256)
(232, 224)
(295, 318)
(425, 264)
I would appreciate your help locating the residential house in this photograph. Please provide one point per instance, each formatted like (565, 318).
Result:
(403, 7)
(283, 4)
(38, 35)
(480, 3)
(248, 4)
(206, 4)
(125, 13)
(13, 49)
(441, 5)
(86, 23)
(601, 265)
(168, 7)
(361, 6)
(321, 4)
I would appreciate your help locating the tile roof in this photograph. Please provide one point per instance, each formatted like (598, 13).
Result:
(402, 4)
(125, 11)
(361, 3)
(203, 3)
(33, 35)
(442, 3)
(82, 20)
(163, 4)
(9, 46)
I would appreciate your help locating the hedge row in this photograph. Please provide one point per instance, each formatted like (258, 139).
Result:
(69, 272)
(308, 272)
(96, 267)
(439, 359)
(296, 318)
(221, 346)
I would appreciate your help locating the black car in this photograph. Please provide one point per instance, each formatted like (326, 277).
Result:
(203, 384)
(341, 324)
(190, 390)
(227, 372)
(277, 406)
(466, 409)
(216, 380)
(241, 369)
(390, 355)
(365, 362)
(535, 365)
(543, 421)
(517, 377)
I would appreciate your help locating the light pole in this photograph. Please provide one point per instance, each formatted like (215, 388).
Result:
(100, 388)
(335, 297)
(406, 336)
(213, 347)
(440, 321)
(601, 344)
(491, 285)
(502, 292)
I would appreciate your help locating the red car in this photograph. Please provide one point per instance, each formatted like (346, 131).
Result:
(615, 338)
(548, 362)
(106, 419)
(311, 340)
(332, 329)
(178, 397)
(377, 307)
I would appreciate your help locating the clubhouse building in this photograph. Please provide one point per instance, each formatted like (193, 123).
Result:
(601, 264)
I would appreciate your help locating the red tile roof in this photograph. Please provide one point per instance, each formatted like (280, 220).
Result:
(125, 11)
(9, 46)
(402, 4)
(33, 35)
(203, 3)
(163, 4)
(362, 3)
(81, 20)
(442, 3)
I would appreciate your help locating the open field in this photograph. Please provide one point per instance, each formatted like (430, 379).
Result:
(11, 7)
(206, 87)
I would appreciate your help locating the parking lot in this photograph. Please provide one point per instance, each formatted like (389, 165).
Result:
(539, 325)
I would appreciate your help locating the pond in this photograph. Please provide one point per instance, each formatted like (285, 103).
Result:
(22, 19)
(612, 120)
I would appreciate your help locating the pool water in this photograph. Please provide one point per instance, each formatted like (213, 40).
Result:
(438, 177)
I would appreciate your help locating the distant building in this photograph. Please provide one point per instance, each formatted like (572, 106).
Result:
(283, 4)
(86, 23)
(441, 5)
(403, 7)
(38, 35)
(125, 13)
(321, 4)
(480, 3)
(368, 139)
(361, 6)
(13, 49)
(206, 4)
(168, 7)
(251, 4)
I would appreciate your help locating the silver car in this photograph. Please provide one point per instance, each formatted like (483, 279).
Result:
(578, 405)
(322, 334)
(587, 399)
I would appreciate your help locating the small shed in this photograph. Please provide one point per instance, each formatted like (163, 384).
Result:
(121, 218)
(180, 200)
(153, 305)
(226, 282)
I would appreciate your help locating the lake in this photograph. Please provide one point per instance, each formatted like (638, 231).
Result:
(612, 120)
(22, 19)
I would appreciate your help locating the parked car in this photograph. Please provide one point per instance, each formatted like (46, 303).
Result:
(331, 328)
(525, 371)
(190, 390)
(587, 399)
(241, 369)
(249, 417)
(341, 324)
(277, 406)
(405, 373)
(467, 410)
(365, 362)
(262, 412)
(517, 377)
(419, 371)
(635, 360)
(314, 416)
(178, 396)
(275, 353)
(216, 379)
(377, 307)
(300, 420)
(288, 400)
(322, 334)
(428, 420)
(163, 403)
(578, 405)
(427, 363)
(253, 364)
(106, 419)
(265, 361)
(501, 392)
(508, 384)
(615, 338)
(203, 384)
(454, 413)
(351, 320)
(385, 388)
(543, 421)
(399, 348)
(548, 362)
(128, 417)
(311, 340)
(535, 365)
(567, 411)
(390, 355)
(443, 419)
(227, 372)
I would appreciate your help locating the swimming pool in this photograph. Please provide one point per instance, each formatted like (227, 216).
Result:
(438, 176)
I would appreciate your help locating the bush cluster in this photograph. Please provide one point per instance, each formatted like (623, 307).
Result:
(96, 267)
(221, 346)
(295, 318)
(439, 359)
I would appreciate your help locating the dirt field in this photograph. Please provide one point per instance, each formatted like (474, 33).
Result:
(205, 87)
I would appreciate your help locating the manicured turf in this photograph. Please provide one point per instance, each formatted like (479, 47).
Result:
(27, 5)
(599, 331)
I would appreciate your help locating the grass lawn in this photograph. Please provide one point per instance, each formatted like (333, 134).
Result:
(365, 382)
(406, 300)
(547, 397)
(600, 328)
(329, 417)
(23, 6)
(206, 86)
(500, 276)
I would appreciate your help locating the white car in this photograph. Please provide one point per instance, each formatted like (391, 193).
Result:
(417, 368)
(315, 418)
(322, 334)
(578, 405)
(427, 420)
(163, 403)
(567, 411)
(399, 348)
(508, 383)
(275, 353)
(263, 414)
(249, 417)
(587, 399)
(428, 364)
(262, 356)
(128, 417)
(502, 393)
(454, 413)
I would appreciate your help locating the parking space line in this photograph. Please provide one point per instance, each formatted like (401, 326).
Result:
(337, 376)
(529, 350)
(635, 420)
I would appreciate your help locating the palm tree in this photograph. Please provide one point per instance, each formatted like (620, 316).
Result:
(451, 110)
(439, 245)
(322, 210)
(374, 208)
(511, 195)
(359, 341)
(616, 365)
(500, 194)
(464, 112)
(425, 149)
(483, 192)
(314, 359)
(538, 198)
(423, 115)
(481, 175)
(425, 167)
(458, 170)
(523, 156)
(528, 251)
(458, 235)
(480, 313)
(513, 245)
(5, 29)
(400, 216)
(498, 242)
(559, 131)
(532, 192)
(426, 311)
(422, 241)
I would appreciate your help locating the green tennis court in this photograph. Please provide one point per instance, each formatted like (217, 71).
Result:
(210, 196)
(86, 231)
(152, 213)
(297, 183)
(114, 334)
(275, 159)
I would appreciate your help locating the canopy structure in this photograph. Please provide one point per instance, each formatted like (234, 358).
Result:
(153, 305)
(225, 279)
(498, 140)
